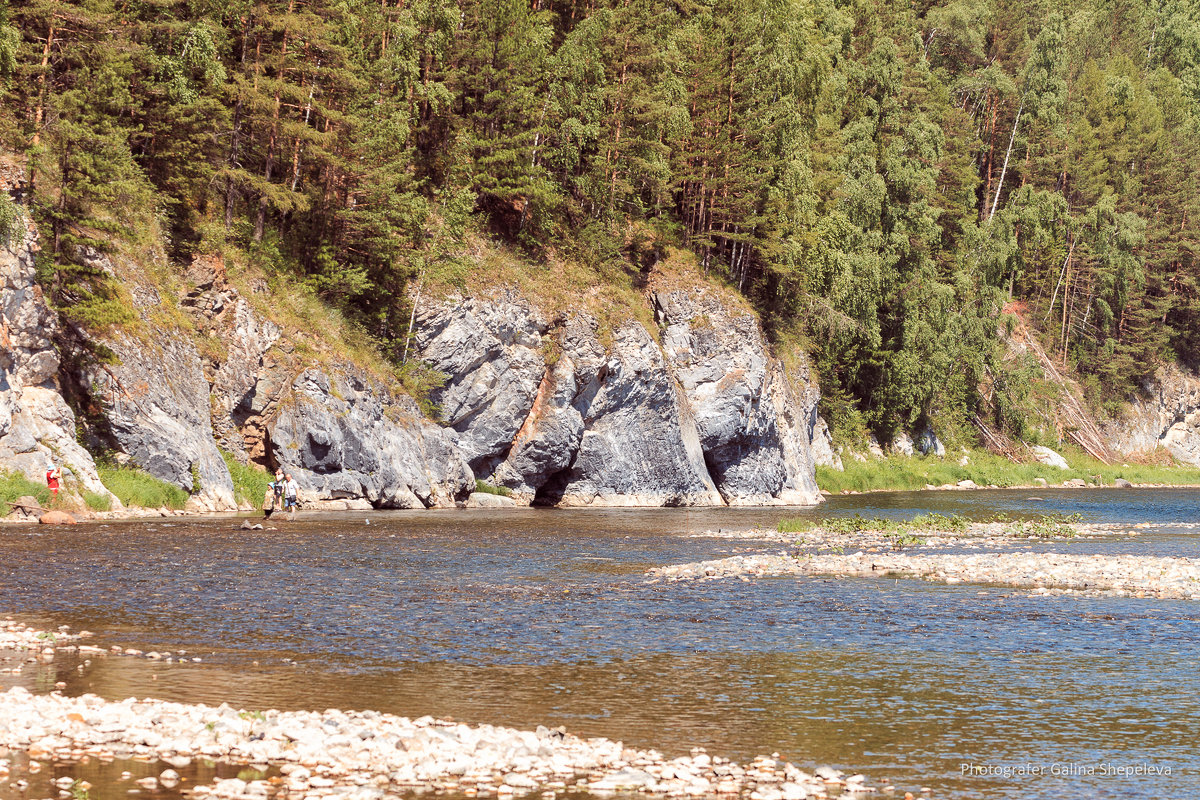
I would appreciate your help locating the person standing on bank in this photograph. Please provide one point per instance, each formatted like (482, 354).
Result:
(52, 479)
(290, 490)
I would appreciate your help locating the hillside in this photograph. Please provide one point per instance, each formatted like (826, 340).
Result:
(876, 183)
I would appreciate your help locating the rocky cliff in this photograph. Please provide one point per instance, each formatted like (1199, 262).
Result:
(1167, 416)
(553, 405)
(695, 413)
(37, 427)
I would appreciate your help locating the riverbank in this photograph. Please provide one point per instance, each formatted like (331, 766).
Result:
(363, 755)
(979, 469)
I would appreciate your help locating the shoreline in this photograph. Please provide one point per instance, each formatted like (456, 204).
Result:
(338, 506)
(361, 755)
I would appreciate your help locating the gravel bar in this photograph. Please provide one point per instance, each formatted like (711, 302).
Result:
(367, 755)
(1129, 575)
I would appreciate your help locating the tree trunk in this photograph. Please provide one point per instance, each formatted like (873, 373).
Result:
(1012, 137)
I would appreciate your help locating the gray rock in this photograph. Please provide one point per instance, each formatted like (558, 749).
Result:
(640, 445)
(37, 427)
(823, 452)
(157, 412)
(1050, 458)
(487, 500)
(903, 444)
(490, 349)
(342, 436)
(1121, 483)
(928, 443)
(755, 428)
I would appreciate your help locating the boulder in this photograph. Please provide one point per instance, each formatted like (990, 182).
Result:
(928, 444)
(874, 447)
(1050, 458)
(1121, 483)
(903, 444)
(56, 518)
(25, 507)
(487, 500)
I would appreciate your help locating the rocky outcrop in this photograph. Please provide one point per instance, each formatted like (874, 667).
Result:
(491, 353)
(37, 427)
(755, 433)
(545, 409)
(1167, 416)
(343, 437)
(155, 400)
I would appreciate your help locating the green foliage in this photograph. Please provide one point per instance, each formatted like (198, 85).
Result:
(249, 483)
(97, 501)
(133, 487)
(901, 473)
(487, 488)
(14, 485)
(1047, 526)
(420, 380)
(11, 220)
(880, 180)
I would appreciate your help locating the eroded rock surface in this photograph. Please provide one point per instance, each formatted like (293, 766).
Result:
(755, 433)
(1167, 417)
(343, 437)
(37, 427)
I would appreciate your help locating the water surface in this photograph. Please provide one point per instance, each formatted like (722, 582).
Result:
(543, 616)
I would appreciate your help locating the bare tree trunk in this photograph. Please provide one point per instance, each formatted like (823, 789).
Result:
(1012, 137)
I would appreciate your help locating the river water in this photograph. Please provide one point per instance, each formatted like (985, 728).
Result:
(543, 616)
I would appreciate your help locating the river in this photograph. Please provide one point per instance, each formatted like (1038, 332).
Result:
(543, 616)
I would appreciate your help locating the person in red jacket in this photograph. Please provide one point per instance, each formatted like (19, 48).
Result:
(52, 477)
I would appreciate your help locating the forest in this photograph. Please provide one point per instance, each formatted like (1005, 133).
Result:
(889, 183)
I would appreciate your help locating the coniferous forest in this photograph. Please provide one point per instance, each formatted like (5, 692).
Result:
(890, 184)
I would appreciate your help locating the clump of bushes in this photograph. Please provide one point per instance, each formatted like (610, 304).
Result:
(135, 487)
(487, 488)
(14, 485)
(249, 483)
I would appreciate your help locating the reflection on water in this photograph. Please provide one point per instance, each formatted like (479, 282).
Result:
(543, 617)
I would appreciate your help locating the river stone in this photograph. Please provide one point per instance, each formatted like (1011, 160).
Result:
(342, 436)
(755, 433)
(56, 518)
(1050, 458)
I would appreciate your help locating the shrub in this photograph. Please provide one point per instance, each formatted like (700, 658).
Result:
(487, 488)
(14, 485)
(137, 488)
(96, 501)
(249, 483)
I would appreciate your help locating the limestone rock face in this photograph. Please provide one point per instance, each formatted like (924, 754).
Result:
(823, 453)
(640, 445)
(342, 437)
(490, 350)
(756, 434)
(1168, 417)
(157, 413)
(37, 427)
(546, 410)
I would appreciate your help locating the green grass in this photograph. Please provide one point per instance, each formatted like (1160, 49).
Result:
(902, 473)
(14, 485)
(97, 502)
(487, 488)
(137, 488)
(249, 484)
